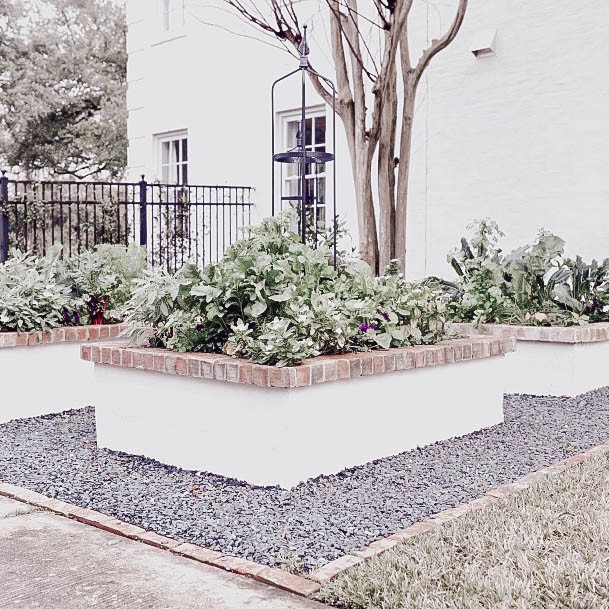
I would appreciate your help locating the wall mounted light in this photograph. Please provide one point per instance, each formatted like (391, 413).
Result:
(483, 44)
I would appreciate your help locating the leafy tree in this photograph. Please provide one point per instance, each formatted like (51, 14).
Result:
(62, 87)
(377, 81)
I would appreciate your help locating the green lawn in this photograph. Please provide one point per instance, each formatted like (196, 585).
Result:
(544, 548)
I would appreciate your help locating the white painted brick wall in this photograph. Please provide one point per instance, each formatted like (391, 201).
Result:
(522, 137)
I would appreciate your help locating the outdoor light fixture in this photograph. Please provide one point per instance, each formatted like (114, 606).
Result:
(483, 44)
(306, 158)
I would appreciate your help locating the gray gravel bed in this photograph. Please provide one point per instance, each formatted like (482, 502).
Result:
(318, 520)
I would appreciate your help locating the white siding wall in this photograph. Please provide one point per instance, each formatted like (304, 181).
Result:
(522, 136)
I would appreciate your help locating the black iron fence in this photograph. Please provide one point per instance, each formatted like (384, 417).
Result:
(176, 223)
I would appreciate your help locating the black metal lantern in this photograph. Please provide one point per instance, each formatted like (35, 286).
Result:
(309, 161)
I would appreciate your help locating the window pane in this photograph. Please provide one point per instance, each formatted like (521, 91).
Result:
(184, 173)
(166, 12)
(321, 191)
(310, 191)
(308, 131)
(320, 130)
(293, 187)
(165, 153)
(292, 131)
(175, 151)
(184, 149)
(165, 174)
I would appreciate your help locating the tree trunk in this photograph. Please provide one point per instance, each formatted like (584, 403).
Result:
(404, 170)
(386, 173)
(368, 240)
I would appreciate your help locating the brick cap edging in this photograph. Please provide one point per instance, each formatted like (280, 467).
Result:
(63, 334)
(334, 568)
(590, 333)
(272, 576)
(320, 369)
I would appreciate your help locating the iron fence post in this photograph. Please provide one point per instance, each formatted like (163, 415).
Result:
(143, 212)
(3, 218)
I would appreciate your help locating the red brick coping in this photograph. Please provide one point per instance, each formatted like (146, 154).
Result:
(303, 586)
(316, 370)
(590, 333)
(65, 334)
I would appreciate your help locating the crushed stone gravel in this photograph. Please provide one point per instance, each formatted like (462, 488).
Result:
(322, 518)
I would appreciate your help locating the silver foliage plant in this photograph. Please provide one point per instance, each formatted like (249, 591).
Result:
(40, 293)
(30, 296)
(275, 300)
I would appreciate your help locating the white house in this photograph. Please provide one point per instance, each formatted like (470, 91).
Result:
(519, 133)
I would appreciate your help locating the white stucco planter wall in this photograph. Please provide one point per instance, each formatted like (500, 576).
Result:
(552, 361)
(42, 372)
(271, 426)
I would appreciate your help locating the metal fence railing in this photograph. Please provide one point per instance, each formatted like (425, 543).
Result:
(176, 223)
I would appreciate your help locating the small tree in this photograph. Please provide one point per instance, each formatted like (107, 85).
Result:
(62, 87)
(363, 73)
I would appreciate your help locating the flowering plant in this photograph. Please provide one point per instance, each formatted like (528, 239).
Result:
(275, 300)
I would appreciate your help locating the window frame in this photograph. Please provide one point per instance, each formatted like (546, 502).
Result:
(290, 116)
(166, 138)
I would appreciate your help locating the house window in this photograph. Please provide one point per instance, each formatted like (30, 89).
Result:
(314, 139)
(172, 14)
(173, 156)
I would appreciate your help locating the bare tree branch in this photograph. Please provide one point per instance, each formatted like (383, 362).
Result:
(441, 43)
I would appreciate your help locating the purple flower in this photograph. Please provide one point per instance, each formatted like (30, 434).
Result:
(384, 314)
(363, 327)
(373, 326)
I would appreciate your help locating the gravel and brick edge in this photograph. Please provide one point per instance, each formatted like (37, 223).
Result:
(316, 370)
(336, 567)
(65, 334)
(297, 584)
(591, 333)
(262, 573)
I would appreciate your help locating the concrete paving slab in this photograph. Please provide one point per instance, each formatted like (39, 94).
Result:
(50, 562)
(10, 508)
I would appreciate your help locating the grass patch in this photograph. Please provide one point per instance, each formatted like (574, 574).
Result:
(17, 512)
(544, 548)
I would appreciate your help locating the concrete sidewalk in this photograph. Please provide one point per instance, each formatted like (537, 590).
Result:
(51, 562)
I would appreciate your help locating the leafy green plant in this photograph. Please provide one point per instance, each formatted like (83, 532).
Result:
(39, 293)
(103, 279)
(483, 290)
(275, 300)
(30, 296)
(535, 284)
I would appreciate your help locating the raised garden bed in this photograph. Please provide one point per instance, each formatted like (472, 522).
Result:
(280, 426)
(552, 360)
(42, 373)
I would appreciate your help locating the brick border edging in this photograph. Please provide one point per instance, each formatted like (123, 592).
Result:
(573, 335)
(297, 584)
(61, 335)
(273, 576)
(321, 369)
(334, 568)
